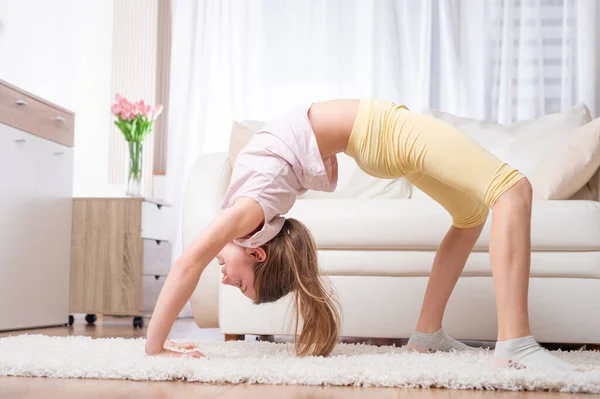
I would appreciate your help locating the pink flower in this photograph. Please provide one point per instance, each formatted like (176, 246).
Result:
(156, 111)
(139, 108)
(142, 108)
(130, 111)
(115, 109)
(124, 104)
(125, 114)
(147, 111)
(135, 111)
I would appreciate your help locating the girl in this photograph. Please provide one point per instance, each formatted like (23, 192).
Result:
(267, 256)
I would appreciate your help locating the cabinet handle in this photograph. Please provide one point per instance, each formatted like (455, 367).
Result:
(60, 119)
(22, 102)
(59, 153)
(21, 141)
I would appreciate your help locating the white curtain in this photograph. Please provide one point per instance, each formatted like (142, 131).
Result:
(501, 60)
(542, 57)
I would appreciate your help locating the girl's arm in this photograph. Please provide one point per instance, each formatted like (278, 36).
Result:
(237, 221)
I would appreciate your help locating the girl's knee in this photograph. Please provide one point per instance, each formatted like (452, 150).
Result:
(522, 190)
(476, 218)
(519, 193)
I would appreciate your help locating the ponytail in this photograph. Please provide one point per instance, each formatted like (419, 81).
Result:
(292, 266)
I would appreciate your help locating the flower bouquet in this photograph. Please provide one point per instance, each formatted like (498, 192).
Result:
(135, 120)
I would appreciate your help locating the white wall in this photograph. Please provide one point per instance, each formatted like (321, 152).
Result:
(61, 50)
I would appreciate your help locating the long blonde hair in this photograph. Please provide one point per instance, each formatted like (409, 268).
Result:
(291, 266)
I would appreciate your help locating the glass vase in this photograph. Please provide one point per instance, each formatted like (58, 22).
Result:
(134, 179)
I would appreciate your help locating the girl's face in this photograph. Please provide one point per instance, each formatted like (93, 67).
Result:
(237, 266)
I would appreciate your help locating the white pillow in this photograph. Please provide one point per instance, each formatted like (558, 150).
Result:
(569, 164)
(536, 138)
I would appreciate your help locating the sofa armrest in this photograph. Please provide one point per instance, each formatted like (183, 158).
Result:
(204, 189)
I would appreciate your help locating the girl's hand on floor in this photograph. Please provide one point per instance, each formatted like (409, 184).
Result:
(175, 354)
(187, 346)
(172, 349)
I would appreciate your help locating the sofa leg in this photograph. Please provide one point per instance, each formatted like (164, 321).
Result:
(234, 337)
(267, 338)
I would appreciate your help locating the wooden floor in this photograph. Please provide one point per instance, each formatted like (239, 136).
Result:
(16, 387)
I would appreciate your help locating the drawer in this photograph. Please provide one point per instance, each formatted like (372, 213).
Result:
(151, 289)
(156, 221)
(31, 115)
(157, 257)
(56, 125)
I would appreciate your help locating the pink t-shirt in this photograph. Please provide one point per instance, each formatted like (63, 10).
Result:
(281, 162)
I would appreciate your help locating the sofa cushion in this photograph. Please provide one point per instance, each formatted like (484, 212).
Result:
(416, 225)
(411, 263)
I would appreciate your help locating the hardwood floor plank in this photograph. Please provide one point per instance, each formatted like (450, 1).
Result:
(178, 389)
(441, 393)
(25, 388)
(263, 391)
(329, 392)
(94, 388)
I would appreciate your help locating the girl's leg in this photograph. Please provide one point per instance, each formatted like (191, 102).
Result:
(448, 263)
(510, 255)
(438, 150)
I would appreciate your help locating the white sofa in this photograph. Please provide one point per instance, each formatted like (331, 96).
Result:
(377, 240)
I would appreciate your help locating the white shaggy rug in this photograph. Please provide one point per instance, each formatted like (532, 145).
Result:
(273, 363)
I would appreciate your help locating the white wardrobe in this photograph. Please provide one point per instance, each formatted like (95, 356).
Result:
(36, 179)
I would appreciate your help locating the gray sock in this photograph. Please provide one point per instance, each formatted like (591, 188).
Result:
(527, 353)
(438, 341)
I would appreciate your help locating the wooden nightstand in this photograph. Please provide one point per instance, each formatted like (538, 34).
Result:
(120, 256)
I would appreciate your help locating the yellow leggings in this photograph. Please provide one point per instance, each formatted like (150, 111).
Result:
(389, 141)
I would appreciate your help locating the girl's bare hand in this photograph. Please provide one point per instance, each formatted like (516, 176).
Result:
(175, 354)
(187, 346)
(172, 349)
